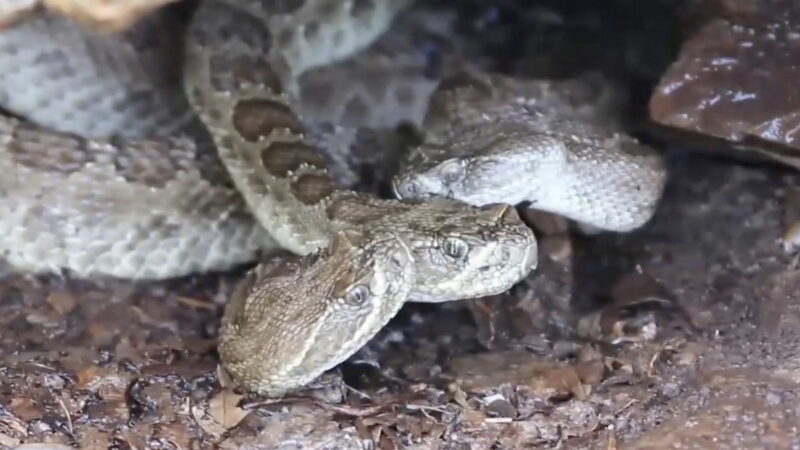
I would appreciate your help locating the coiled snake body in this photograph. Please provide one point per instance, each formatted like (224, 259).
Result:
(167, 206)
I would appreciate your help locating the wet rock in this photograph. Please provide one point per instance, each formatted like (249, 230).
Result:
(736, 81)
(750, 11)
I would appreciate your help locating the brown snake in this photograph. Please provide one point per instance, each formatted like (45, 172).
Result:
(163, 207)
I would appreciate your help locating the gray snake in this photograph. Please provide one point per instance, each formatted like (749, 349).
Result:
(169, 205)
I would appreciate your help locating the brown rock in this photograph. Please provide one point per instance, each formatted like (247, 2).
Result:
(752, 12)
(738, 82)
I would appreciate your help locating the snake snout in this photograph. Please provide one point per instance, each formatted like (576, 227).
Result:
(408, 187)
(417, 187)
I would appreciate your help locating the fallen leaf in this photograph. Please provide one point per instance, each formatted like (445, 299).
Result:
(8, 441)
(25, 408)
(88, 376)
(224, 408)
(222, 414)
(62, 302)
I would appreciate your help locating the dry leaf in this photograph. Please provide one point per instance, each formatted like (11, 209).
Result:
(62, 302)
(222, 414)
(8, 441)
(25, 408)
(224, 408)
(88, 377)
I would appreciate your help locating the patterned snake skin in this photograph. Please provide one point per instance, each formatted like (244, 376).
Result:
(156, 201)
(494, 138)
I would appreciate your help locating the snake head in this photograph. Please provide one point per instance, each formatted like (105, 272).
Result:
(489, 163)
(424, 185)
(464, 252)
(283, 328)
(584, 172)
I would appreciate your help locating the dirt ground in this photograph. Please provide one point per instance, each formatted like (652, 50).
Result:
(698, 345)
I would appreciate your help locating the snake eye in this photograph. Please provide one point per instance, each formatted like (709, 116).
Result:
(358, 295)
(410, 186)
(455, 248)
(452, 172)
(405, 187)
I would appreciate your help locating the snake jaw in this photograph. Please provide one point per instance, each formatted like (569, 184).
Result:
(281, 332)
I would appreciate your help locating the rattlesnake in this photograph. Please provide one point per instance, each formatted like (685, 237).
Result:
(555, 150)
(157, 208)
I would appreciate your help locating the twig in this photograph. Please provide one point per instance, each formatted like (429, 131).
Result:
(69, 416)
